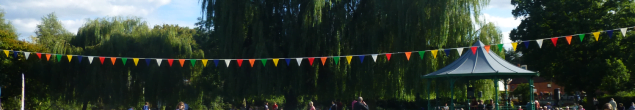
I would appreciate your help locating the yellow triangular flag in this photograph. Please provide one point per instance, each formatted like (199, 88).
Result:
(69, 57)
(514, 45)
(434, 53)
(6, 52)
(348, 58)
(275, 62)
(136, 60)
(204, 62)
(596, 35)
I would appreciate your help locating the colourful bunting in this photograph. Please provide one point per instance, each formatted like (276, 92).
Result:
(388, 56)
(159, 62)
(460, 51)
(6, 52)
(251, 62)
(136, 61)
(408, 55)
(597, 36)
(26, 55)
(15, 54)
(374, 57)
(124, 60)
(204, 62)
(90, 59)
(421, 53)
(69, 57)
(215, 63)
(539, 41)
(264, 62)
(59, 57)
(240, 62)
(569, 39)
(349, 58)
(193, 62)
(554, 41)
(323, 61)
(526, 44)
(147, 62)
(500, 47)
(182, 61)
(275, 62)
(170, 62)
(79, 59)
(48, 56)
(337, 59)
(514, 44)
(288, 61)
(623, 32)
(447, 52)
(311, 61)
(113, 60)
(473, 49)
(227, 61)
(361, 59)
(581, 37)
(299, 60)
(434, 53)
(610, 33)
(39, 55)
(487, 48)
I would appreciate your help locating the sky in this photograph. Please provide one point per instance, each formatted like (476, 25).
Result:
(26, 14)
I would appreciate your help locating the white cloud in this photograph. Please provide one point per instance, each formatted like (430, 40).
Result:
(500, 4)
(502, 22)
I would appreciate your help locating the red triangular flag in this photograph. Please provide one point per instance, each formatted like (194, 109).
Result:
(569, 39)
(311, 61)
(554, 41)
(408, 55)
(113, 59)
(181, 61)
(170, 62)
(39, 55)
(474, 50)
(251, 61)
(240, 62)
(102, 60)
(323, 60)
(388, 56)
(487, 48)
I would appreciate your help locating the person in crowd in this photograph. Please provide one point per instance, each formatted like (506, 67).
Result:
(539, 108)
(545, 108)
(340, 106)
(537, 104)
(275, 106)
(180, 106)
(353, 104)
(621, 107)
(333, 106)
(311, 107)
(549, 107)
(481, 105)
(613, 104)
(580, 107)
(360, 105)
(474, 104)
(491, 105)
(632, 106)
(520, 107)
(446, 107)
(147, 106)
(266, 105)
(596, 103)
(566, 108)
(607, 106)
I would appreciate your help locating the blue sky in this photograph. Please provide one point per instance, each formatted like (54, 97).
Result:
(26, 14)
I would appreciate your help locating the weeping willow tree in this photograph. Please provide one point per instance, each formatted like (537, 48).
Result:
(246, 29)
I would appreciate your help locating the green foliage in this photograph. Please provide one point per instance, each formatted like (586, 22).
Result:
(524, 91)
(617, 76)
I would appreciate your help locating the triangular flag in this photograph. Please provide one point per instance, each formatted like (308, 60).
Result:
(6, 52)
(182, 62)
(610, 33)
(15, 54)
(407, 55)
(69, 57)
(59, 57)
(337, 59)
(539, 41)
(374, 57)
(227, 61)
(275, 62)
(473, 49)
(147, 62)
(623, 32)
(388, 56)
(193, 62)
(500, 47)
(113, 60)
(311, 61)
(26, 55)
(136, 61)
(581, 37)
(90, 59)
(159, 62)
(124, 60)
(434, 53)
(251, 61)
(447, 52)
(487, 48)
(79, 59)
(421, 53)
(361, 58)
(348, 58)
(299, 60)
(569, 39)
(170, 62)
(48, 56)
(216, 63)
(240, 62)
(323, 61)
(514, 45)
(288, 61)
(264, 62)
(597, 36)
(459, 50)
(39, 55)
(526, 44)
(204, 62)
(554, 41)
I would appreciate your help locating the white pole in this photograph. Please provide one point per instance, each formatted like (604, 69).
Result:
(22, 107)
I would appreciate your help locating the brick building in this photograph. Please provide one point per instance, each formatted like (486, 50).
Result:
(541, 86)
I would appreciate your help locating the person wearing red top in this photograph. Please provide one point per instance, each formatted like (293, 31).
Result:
(275, 106)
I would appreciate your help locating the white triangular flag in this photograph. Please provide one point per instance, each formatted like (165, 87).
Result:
(227, 61)
(159, 62)
(90, 59)
(374, 57)
(539, 41)
(26, 54)
(299, 61)
(460, 50)
(623, 31)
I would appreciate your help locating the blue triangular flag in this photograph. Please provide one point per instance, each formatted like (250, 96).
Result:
(610, 32)
(15, 54)
(79, 59)
(216, 63)
(288, 60)
(147, 62)
(447, 52)
(526, 44)
(361, 58)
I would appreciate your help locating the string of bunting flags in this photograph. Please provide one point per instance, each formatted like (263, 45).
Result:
(299, 60)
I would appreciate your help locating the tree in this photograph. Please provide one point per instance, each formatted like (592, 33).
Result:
(523, 91)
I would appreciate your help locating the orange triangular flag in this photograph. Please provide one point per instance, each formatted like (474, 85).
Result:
(113, 59)
(48, 56)
(323, 60)
(408, 55)
(569, 39)
(181, 61)
(487, 48)
(251, 61)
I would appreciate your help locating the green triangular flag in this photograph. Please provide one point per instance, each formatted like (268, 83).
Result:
(59, 57)
(193, 62)
(421, 54)
(500, 47)
(336, 59)
(264, 62)
(124, 60)
(581, 37)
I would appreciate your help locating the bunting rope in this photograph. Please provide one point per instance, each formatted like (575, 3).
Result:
(434, 52)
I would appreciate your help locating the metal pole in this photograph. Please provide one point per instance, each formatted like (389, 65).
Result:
(495, 104)
(531, 95)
